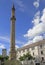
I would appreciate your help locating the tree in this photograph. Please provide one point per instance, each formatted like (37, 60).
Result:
(6, 58)
(21, 58)
(26, 56)
(29, 56)
(2, 58)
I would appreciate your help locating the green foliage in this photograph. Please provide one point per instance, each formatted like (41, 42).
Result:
(21, 58)
(6, 58)
(26, 57)
(2, 58)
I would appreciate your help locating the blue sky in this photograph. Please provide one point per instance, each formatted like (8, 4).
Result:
(30, 22)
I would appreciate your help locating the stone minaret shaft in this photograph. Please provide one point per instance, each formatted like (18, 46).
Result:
(12, 38)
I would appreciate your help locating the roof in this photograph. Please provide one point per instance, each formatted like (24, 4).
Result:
(32, 45)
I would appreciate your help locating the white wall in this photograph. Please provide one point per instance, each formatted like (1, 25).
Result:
(37, 51)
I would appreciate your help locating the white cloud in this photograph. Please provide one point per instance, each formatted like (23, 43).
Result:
(36, 3)
(43, 15)
(37, 32)
(36, 19)
(19, 42)
(2, 46)
(7, 39)
(4, 38)
(37, 38)
(20, 4)
(17, 46)
(34, 40)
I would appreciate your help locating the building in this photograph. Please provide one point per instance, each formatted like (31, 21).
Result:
(4, 52)
(37, 50)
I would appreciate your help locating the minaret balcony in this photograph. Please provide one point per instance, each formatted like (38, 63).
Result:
(13, 18)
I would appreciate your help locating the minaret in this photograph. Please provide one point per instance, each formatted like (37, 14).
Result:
(12, 37)
(12, 58)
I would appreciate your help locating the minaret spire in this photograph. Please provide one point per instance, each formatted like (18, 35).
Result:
(13, 12)
(13, 7)
(12, 37)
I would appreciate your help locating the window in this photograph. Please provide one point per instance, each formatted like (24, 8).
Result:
(41, 52)
(28, 49)
(33, 53)
(42, 58)
(33, 48)
(40, 46)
